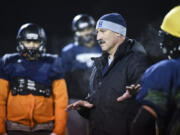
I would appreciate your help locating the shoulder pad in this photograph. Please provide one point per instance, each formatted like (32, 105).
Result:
(9, 57)
(68, 47)
(48, 55)
(163, 66)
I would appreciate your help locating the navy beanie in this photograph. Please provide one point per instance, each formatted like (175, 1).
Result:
(114, 22)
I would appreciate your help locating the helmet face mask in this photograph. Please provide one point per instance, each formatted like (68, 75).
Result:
(83, 27)
(170, 45)
(31, 41)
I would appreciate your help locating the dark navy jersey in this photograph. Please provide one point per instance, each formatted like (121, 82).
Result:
(78, 64)
(161, 91)
(44, 70)
(76, 57)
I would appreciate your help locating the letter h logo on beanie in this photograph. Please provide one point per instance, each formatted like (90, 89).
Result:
(114, 22)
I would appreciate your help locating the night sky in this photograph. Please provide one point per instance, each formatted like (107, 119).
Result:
(56, 17)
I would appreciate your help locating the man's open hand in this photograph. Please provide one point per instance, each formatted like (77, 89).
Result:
(77, 105)
(130, 91)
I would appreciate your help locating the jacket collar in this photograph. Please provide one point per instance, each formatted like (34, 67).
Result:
(124, 49)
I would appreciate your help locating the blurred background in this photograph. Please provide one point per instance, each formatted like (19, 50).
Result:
(143, 18)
